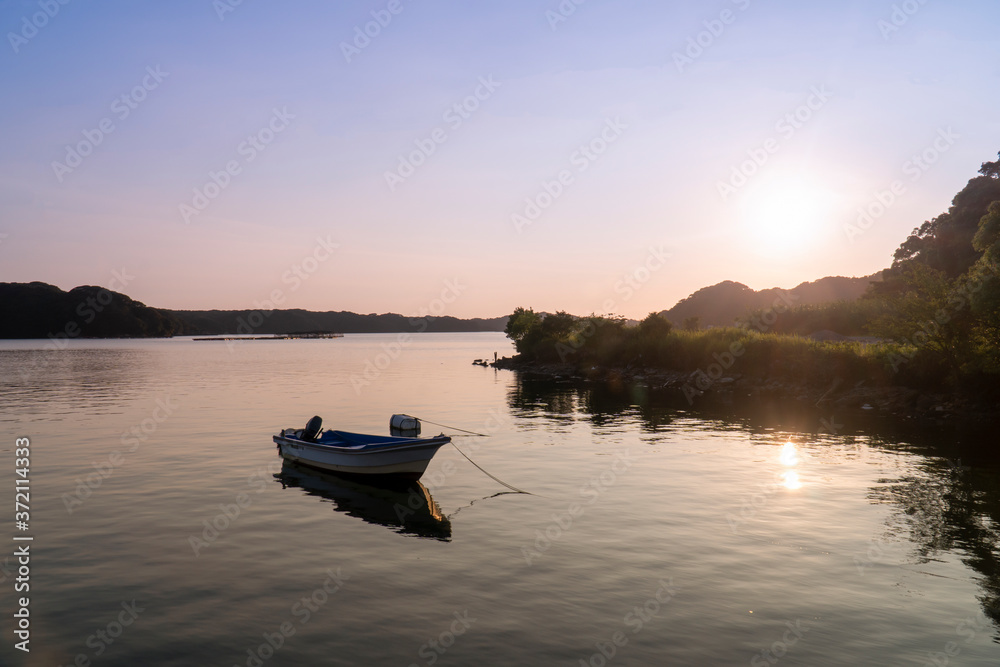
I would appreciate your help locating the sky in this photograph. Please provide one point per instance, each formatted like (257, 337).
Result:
(463, 159)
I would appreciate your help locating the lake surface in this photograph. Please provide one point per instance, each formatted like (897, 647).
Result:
(167, 532)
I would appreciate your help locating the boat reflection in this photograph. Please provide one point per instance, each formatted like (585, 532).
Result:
(407, 507)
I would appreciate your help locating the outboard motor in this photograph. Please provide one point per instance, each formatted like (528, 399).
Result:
(312, 429)
(404, 425)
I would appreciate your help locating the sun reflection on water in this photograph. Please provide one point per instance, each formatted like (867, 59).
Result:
(791, 480)
(790, 457)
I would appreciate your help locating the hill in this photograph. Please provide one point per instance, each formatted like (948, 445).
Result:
(40, 310)
(723, 303)
(296, 320)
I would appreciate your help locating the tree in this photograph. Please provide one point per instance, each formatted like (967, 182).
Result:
(557, 326)
(692, 323)
(655, 325)
(519, 324)
(991, 169)
(983, 286)
(945, 242)
(987, 238)
(536, 335)
(928, 313)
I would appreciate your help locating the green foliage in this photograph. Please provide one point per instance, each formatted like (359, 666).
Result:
(984, 289)
(520, 322)
(543, 337)
(692, 323)
(655, 325)
(848, 318)
(991, 169)
(941, 296)
(946, 242)
(987, 238)
(653, 343)
(929, 313)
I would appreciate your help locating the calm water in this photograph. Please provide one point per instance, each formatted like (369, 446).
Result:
(657, 536)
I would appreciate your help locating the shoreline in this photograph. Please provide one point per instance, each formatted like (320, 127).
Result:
(730, 390)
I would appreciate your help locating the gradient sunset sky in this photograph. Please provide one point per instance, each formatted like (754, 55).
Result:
(679, 144)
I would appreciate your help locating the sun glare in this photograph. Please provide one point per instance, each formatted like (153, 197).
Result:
(789, 457)
(784, 214)
(791, 480)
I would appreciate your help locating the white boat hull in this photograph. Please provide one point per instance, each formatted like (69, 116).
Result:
(408, 461)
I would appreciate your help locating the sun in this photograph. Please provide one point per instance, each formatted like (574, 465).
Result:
(784, 214)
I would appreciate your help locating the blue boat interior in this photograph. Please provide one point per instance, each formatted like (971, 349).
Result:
(314, 433)
(345, 439)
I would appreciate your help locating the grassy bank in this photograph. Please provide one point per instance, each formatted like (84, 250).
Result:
(708, 356)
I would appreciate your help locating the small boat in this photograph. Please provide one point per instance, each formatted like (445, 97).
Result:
(399, 457)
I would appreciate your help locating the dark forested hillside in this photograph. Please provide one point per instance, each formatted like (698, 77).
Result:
(290, 321)
(39, 310)
(723, 303)
(945, 243)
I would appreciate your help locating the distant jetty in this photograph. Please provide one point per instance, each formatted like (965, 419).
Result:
(290, 336)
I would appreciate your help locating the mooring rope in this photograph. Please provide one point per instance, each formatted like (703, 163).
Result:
(494, 478)
(453, 428)
(483, 470)
(498, 493)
